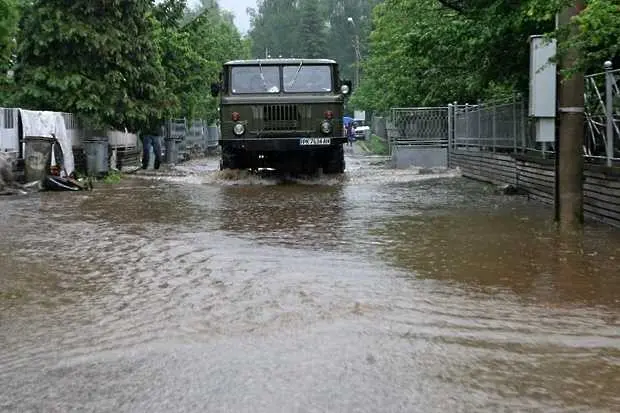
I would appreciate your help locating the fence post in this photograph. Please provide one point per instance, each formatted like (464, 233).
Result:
(514, 123)
(454, 126)
(494, 125)
(450, 126)
(522, 116)
(467, 125)
(479, 128)
(609, 112)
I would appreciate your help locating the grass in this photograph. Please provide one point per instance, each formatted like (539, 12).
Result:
(377, 146)
(113, 177)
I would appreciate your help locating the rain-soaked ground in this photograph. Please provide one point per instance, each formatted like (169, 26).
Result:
(381, 291)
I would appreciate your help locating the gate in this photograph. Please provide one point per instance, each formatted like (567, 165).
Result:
(419, 136)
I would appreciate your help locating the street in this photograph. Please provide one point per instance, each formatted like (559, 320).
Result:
(379, 291)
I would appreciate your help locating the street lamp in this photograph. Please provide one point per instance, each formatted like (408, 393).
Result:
(358, 56)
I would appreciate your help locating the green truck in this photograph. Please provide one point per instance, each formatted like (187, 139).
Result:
(284, 114)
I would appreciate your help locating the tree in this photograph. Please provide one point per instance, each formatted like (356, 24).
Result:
(94, 58)
(341, 32)
(275, 28)
(8, 29)
(214, 39)
(424, 53)
(312, 40)
(9, 17)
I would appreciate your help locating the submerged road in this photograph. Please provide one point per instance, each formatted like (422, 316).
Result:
(379, 291)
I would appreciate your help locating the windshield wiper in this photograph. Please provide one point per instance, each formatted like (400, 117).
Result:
(290, 85)
(262, 76)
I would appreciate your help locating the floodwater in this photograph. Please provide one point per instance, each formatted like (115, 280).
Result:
(380, 291)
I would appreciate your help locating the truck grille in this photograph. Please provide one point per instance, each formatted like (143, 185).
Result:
(280, 117)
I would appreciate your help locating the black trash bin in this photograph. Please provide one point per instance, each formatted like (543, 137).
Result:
(37, 157)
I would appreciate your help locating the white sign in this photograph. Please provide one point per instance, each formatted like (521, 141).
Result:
(359, 114)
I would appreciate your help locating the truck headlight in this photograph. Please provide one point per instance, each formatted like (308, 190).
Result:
(326, 127)
(239, 129)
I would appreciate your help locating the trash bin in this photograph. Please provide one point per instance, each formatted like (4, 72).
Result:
(172, 151)
(96, 149)
(182, 149)
(37, 157)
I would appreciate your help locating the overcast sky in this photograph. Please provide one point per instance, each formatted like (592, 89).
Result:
(242, 20)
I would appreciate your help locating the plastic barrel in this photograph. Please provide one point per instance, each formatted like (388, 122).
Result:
(37, 157)
(96, 149)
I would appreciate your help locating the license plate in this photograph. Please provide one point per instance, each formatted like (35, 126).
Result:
(315, 141)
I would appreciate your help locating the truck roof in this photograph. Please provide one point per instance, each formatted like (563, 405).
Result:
(278, 61)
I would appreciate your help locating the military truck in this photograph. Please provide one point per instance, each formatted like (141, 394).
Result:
(284, 114)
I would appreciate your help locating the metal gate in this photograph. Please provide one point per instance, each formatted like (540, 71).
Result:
(419, 136)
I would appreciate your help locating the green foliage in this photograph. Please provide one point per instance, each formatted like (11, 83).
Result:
(430, 52)
(319, 28)
(312, 31)
(416, 61)
(213, 39)
(378, 146)
(89, 58)
(341, 33)
(113, 177)
(8, 29)
(122, 63)
(598, 37)
(275, 28)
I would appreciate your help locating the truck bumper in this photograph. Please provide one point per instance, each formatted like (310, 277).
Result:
(282, 144)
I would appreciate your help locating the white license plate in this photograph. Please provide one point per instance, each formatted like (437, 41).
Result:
(315, 141)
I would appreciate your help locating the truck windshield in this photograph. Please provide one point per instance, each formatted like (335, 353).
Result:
(255, 79)
(311, 78)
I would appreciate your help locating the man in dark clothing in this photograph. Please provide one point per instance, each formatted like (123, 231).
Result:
(151, 137)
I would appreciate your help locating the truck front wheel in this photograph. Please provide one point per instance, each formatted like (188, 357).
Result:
(230, 159)
(335, 163)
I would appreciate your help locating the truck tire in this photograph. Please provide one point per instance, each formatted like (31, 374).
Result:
(229, 159)
(335, 163)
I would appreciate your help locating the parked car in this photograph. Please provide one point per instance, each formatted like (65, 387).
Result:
(362, 131)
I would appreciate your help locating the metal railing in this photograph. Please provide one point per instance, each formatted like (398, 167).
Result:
(602, 99)
(496, 126)
(504, 126)
(9, 132)
(193, 136)
(423, 126)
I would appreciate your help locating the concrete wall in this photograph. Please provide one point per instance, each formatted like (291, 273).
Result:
(418, 156)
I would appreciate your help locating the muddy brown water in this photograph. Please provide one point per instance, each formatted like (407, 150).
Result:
(381, 291)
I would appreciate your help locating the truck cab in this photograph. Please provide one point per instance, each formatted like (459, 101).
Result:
(283, 114)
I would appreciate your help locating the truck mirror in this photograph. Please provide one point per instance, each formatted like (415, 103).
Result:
(215, 89)
(345, 87)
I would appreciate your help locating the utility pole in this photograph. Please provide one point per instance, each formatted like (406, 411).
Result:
(569, 164)
(358, 55)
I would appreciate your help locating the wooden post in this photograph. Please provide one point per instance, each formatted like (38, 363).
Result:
(569, 172)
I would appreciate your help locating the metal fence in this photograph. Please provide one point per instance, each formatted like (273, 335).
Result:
(9, 132)
(194, 137)
(603, 115)
(506, 127)
(424, 126)
(497, 126)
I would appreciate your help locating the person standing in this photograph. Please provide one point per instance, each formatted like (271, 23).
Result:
(151, 138)
(350, 133)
